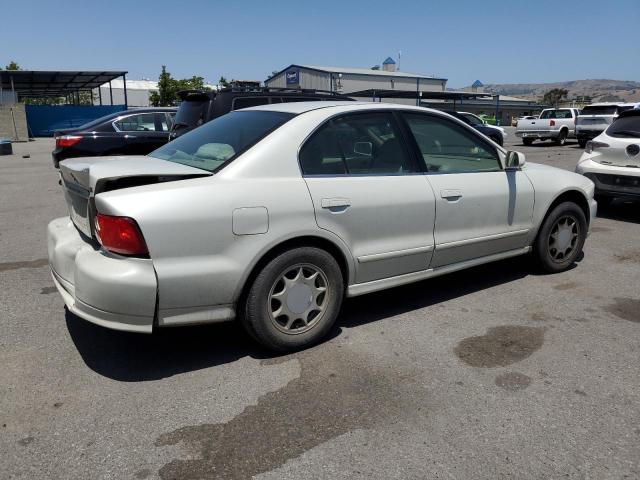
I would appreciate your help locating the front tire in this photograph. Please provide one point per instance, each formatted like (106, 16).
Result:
(561, 238)
(294, 300)
(527, 141)
(582, 143)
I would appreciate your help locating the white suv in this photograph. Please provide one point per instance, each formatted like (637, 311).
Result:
(612, 159)
(595, 118)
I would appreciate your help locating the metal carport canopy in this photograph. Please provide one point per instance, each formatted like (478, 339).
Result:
(42, 83)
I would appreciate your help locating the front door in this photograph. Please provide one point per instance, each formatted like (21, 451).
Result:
(367, 189)
(481, 209)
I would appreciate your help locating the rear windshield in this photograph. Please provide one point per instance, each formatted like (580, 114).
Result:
(191, 113)
(599, 110)
(219, 141)
(556, 114)
(625, 127)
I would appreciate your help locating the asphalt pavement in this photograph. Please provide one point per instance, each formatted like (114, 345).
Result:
(495, 372)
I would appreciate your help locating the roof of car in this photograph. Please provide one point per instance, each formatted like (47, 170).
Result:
(302, 107)
(149, 109)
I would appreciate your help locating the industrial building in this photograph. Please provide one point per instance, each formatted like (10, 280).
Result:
(349, 80)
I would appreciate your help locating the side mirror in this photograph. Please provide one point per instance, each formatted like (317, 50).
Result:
(363, 148)
(514, 160)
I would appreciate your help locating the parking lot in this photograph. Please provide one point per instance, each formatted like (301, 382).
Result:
(495, 372)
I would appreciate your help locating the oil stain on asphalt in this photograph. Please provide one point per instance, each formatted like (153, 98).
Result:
(40, 262)
(47, 290)
(625, 308)
(513, 381)
(337, 391)
(501, 346)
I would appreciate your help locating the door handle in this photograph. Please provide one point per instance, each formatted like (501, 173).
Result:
(451, 194)
(336, 203)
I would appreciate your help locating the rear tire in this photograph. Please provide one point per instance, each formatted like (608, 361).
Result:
(294, 300)
(561, 238)
(527, 141)
(561, 139)
(582, 143)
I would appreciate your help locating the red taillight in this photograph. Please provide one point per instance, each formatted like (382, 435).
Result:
(552, 123)
(120, 235)
(66, 141)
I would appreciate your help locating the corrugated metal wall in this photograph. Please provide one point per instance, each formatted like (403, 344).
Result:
(43, 120)
(355, 82)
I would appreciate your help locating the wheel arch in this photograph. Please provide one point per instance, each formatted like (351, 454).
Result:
(572, 195)
(333, 248)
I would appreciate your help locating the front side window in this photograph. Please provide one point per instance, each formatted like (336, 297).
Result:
(357, 144)
(449, 148)
(219, 141)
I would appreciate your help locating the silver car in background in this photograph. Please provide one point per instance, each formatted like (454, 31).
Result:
(273, 214)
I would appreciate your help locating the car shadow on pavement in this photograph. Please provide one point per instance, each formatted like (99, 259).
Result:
(135, 357)
(399, 300)
(621, 210)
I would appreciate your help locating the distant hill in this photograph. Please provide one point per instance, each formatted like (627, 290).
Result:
(598, 90)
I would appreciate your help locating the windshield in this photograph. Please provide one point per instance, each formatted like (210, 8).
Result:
(217, 142)
(625, 127)
(473, 120)
(599, 110)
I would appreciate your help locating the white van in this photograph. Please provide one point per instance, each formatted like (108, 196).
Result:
(595, 118)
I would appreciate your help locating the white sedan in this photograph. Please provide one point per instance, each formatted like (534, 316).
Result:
(271, 215)
(612, 159)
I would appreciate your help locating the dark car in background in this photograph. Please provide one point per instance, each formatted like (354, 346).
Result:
(130, 132)
(496, 134)
(197, 106)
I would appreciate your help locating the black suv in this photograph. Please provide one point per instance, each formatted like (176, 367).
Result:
(197, 106)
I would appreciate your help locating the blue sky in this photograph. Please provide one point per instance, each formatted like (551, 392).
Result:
(506, 41)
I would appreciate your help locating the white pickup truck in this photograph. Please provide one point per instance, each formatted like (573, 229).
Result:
(555, 124)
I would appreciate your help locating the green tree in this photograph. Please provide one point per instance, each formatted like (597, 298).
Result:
(224, 83)
(554, 96)
(169, 87)
(12, 66)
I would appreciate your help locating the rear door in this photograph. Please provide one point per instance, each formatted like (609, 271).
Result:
(367, 189)
(481, 209)
(142, 133)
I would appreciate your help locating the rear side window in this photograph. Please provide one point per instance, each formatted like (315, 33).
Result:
(246, 102)
(556, 114)
(450, 148)
(359, 144)
(219, 141)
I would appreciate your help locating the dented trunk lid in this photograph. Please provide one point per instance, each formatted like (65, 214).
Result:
(83, 178)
